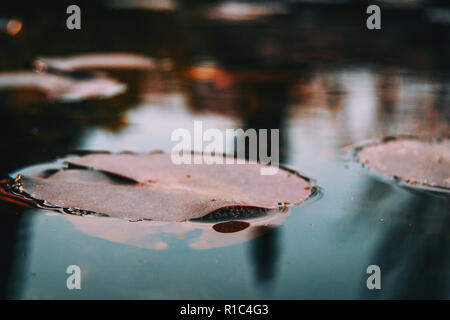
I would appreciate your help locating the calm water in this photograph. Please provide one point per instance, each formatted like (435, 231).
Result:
(312, 84)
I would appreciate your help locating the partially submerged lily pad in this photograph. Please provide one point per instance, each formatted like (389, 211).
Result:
(151, 187)
(408, 160)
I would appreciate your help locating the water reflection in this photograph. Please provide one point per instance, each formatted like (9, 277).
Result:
(264, 253)
(12, 248)
(263, 105)
(157, 235)
(413, 251)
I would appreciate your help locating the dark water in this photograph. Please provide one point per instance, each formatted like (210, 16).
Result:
(314, 72)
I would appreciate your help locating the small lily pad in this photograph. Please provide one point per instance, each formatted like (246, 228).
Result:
(96, 61)
(411, 161)
(62, 88)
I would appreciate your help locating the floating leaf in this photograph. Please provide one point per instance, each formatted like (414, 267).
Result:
(96, 61)
(151, 187)
(410, 160)
(61, 88)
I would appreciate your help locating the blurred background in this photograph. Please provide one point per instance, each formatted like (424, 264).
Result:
(309, 68)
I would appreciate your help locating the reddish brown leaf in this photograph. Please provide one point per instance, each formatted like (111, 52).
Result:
(410, 160)
(162, 190)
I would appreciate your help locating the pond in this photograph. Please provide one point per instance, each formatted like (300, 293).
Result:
(312, 84)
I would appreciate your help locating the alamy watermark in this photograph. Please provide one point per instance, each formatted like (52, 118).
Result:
(250, 144)
(374, 20)
(73, 21)
(374, 280)
(74, 280)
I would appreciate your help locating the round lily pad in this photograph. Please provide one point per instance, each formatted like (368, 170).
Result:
(151, 187)
(412, 161)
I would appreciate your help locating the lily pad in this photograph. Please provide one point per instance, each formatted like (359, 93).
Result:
(409, 160)
(151, 187)
(96, 61)
(62, 88)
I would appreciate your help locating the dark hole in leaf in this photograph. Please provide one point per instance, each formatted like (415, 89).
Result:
(231, 226)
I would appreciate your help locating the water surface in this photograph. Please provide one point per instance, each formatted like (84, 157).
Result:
(321, 93)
